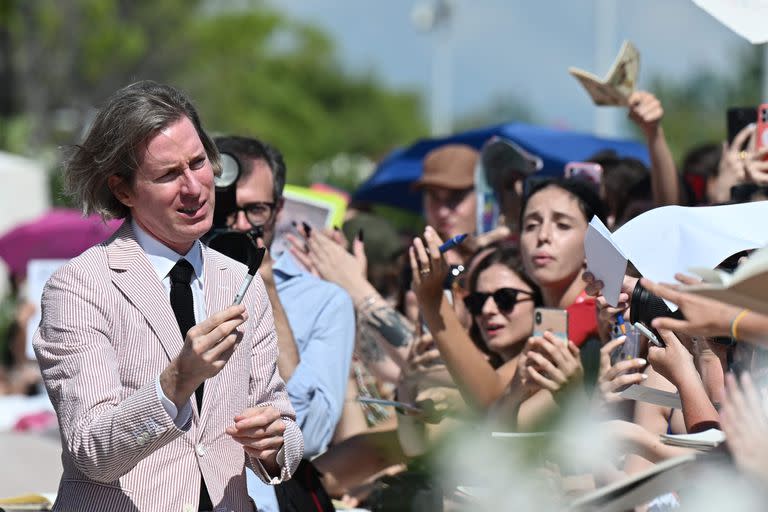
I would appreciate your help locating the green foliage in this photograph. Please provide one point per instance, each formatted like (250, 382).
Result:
(250, 71)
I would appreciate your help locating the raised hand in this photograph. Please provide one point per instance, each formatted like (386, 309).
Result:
(207, 348)
(429, 269)
(645, 110)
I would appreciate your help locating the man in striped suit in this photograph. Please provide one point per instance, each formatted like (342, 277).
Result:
(164, 391)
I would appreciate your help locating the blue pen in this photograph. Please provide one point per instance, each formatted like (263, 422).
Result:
(620, 322)
(452, 242)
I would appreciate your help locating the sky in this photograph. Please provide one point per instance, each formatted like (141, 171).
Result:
(522, 48)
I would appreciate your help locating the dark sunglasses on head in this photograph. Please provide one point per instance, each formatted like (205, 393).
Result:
(505, 299)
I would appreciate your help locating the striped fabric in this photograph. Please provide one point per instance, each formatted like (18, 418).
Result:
(107, 332)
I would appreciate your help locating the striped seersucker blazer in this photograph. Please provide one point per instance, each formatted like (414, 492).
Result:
(106, 334)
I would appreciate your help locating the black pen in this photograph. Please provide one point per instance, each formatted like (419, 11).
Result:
(252, 268)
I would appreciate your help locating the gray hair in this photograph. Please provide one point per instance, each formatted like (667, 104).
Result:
(131, 116)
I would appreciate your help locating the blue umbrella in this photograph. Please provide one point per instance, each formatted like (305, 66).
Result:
(391, 182)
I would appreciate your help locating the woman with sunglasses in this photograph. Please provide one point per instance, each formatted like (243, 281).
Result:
(501, 302)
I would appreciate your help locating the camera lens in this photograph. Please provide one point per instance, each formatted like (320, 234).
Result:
(538, 317)
(646, 306)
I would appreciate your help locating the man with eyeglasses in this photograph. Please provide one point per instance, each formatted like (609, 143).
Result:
(314, 320)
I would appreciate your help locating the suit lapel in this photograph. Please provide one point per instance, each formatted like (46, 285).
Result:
(134, 276)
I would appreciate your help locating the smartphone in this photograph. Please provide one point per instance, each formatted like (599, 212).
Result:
(630, 349)
(552, 320)
(589, 171)
(761, 135)
(737, 118)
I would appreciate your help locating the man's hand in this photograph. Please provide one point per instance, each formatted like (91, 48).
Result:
(260, 430)
(646, 111)
(207, 348)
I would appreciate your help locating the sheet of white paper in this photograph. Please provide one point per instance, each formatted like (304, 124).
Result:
(38, 273)
(605, 260)
(652, 396)
(671, 239)
(745, 17)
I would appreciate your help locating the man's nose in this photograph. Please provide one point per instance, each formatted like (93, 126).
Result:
(241, 222)
(191, 184)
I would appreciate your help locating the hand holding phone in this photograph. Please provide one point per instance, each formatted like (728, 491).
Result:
(552, 320)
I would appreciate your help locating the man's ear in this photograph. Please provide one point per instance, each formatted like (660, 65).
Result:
(120, 190)
(279, 205)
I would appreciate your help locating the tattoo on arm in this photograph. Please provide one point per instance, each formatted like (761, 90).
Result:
(392, 326)
(368, 347)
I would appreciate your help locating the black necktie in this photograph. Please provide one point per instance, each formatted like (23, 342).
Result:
(184, 308)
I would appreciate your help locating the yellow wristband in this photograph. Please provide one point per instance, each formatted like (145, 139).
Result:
(735, 323)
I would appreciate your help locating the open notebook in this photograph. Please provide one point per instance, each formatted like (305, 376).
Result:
(706, 440)
(618, 84)
(745, 287)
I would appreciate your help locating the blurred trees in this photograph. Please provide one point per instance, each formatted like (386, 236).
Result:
(249, 71)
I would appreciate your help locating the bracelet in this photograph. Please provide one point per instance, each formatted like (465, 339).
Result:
(735, 323)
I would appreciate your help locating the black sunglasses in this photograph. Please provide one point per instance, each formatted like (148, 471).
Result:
(505, 299)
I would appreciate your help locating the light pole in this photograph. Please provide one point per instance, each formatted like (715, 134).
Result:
(606, 121)
(435, 17)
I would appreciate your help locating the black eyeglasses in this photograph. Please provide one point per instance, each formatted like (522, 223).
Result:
(505, 299)
(257, 214)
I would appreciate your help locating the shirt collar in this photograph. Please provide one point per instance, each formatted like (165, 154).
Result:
(164, 258)
(286, 267)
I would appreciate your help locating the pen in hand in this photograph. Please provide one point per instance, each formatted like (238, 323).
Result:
(452, 242)
(253, 266)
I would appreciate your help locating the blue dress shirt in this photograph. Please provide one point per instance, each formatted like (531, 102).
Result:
(322, 319)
